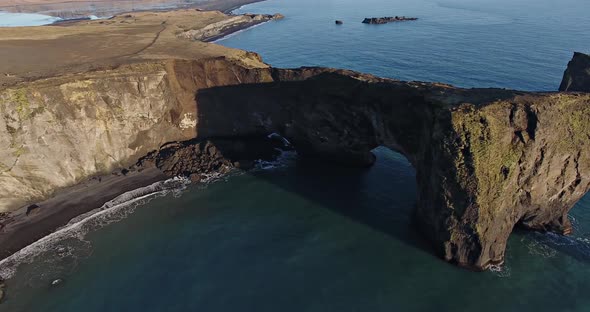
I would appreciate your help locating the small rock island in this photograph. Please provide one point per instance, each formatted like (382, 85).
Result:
(385, 20)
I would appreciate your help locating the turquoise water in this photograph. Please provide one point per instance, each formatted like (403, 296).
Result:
(25, 19)
(311, 237)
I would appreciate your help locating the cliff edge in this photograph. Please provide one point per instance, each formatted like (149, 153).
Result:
(576, 77)
(486, 160)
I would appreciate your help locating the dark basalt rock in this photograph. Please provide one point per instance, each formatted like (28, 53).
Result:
(197, 158)
(32, 208)
(385, 20)
(577, 74)
(486, 160)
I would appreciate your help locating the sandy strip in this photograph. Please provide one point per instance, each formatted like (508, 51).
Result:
(21, 229)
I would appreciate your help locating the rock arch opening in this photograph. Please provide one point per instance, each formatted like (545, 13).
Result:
(483, 157)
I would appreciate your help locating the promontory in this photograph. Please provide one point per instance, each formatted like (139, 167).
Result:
(129, 100)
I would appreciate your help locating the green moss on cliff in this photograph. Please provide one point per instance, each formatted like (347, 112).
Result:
(23, 106)
(579, 121)
(19, 151)
(491, 153)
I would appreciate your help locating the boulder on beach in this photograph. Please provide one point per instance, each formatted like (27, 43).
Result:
(32, 209)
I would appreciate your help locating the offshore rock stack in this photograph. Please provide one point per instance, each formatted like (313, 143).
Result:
(576, 77)
(385, 20)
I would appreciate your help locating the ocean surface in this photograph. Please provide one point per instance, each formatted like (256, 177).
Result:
(8, 19)
(300, 236)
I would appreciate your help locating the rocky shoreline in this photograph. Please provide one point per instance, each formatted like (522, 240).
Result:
(224, 28)
(197, 160)
(485, 159)
(193, 159)
(456, 171)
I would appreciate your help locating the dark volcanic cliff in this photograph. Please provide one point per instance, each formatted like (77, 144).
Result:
(486, 159)
(577, 74)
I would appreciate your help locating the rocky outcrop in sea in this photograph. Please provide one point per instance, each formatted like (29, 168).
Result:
(486, 160)
(577, 75)
(385, 20)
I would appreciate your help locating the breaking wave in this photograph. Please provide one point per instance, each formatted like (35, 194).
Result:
(286, 156)
(577, 247)
(69, 240)
(500, 270)
(285, 159)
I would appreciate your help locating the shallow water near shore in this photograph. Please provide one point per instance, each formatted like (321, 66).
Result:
(311, 237)
(25, 19)
(299, 238)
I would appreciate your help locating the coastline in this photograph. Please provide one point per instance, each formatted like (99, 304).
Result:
(77, 10)
(227, 7)
(216, 39)
(20, 228)
(27, 225)
(30, 224)
(233, 30)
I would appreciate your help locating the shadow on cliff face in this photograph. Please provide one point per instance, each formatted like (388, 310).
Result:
(468, 146)
(337, 118)
(382, 197)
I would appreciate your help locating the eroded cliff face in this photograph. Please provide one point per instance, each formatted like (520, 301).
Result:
(486, 160)
(59, 131)
(220, 29)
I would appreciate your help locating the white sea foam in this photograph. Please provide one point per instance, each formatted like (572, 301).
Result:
(285, 159)
(112, 211)
(238, 32)
(539, 248)
(500, 270)
(59, 242)
(549, 245)
(277, 136)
